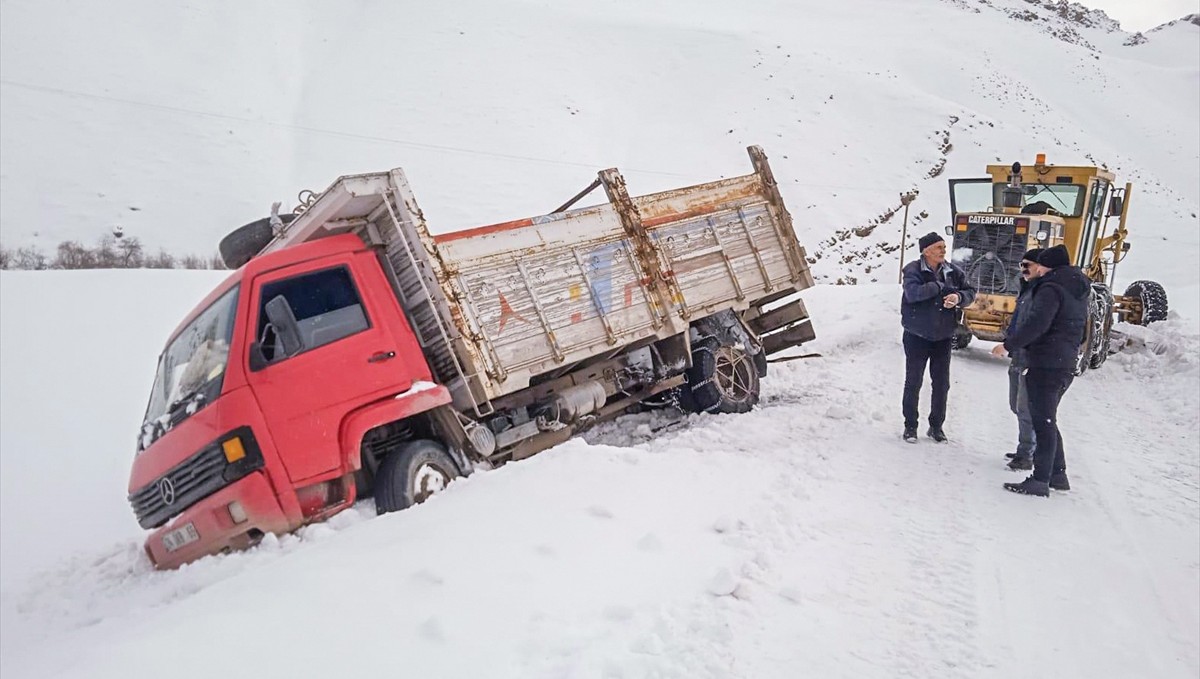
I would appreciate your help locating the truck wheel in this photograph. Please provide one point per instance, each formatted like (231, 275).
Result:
(961, 338)
(241, 244)
(411, 474)
(722, 379)
(1153, 298)
(1102, 321)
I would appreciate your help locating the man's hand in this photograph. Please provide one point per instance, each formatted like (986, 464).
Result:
(999, 351)
(951, 300)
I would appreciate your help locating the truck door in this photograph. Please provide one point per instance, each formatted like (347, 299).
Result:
(347, 357)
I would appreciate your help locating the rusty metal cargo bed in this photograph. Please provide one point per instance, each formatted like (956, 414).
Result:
(497, 306)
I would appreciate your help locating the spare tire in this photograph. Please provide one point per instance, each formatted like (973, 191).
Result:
(1153, 298)
(241, 244)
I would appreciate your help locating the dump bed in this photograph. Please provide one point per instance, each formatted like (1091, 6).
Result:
(497, 306)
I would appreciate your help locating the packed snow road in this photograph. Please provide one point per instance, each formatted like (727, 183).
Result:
(804, 538)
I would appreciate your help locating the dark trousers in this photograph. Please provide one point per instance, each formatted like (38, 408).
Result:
(1018, 403)
(1046, 388)
(917, 352)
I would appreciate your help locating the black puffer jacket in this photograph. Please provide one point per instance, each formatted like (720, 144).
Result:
(921, 309)
(1024, 297)
(1051, 327)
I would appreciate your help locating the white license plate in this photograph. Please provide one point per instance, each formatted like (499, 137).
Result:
(184, 535)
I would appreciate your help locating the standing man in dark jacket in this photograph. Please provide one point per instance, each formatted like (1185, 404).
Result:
(1050, 330)
(1018, 395)
(934, 292)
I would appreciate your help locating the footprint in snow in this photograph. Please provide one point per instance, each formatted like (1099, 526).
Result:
(432, 630)
(425, 577)
(649, 543)
(618, 613)
(723, 583)
(600, 512)
(725, 524)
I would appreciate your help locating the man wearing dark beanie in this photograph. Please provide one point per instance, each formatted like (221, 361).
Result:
(1050, 331)
(1018, 394)
(934, 293)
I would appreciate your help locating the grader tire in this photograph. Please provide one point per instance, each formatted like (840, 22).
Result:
(1153, 298)
(1102, 322)
(961, 338)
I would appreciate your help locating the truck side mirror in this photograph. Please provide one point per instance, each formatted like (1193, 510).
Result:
(1116, 206)
(949, 229)
(279, 313)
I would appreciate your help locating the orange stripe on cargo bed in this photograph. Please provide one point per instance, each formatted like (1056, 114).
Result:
(677, 216)
(481, 230)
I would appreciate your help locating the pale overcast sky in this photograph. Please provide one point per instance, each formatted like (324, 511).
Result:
(1142, 15)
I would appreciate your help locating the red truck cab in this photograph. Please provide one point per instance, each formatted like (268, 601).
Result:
(216, 470)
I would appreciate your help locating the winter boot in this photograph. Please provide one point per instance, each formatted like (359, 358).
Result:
(910, 434)
(1019, 464)
(1029, 486)
(1058, 481)
(936, 434)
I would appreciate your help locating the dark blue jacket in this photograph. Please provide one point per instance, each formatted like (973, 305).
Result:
(1024, 297)
(1051, 328)
(921, 309)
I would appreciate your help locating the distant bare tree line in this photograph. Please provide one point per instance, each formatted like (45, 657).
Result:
(108, 253)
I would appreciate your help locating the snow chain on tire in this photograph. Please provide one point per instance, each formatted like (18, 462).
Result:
(1153, 298)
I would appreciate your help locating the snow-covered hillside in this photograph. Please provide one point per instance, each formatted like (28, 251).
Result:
(802, 539)
(180, 121)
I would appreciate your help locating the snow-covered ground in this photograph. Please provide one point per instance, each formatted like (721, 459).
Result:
(802, 539)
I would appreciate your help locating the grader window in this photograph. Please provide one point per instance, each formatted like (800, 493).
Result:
(1065, 199)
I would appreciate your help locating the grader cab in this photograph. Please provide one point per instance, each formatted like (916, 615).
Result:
(999, 217)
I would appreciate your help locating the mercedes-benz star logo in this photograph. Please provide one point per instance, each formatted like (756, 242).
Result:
(167, 490)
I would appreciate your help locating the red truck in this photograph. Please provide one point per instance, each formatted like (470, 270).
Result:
(354, 354)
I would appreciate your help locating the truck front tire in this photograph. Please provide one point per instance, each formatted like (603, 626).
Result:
(411, 474)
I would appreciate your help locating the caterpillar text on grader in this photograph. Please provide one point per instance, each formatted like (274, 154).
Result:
(998, 217)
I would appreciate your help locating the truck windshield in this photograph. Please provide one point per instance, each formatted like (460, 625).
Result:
(1066, 199)
(191, 369)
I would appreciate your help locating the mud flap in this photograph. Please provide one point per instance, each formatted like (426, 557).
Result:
(783, 328)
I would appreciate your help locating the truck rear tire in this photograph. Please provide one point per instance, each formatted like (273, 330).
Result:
(411, 474)
(240, 245)
(722, 379)
(1153, 298)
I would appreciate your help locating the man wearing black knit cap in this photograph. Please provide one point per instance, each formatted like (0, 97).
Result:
(934, 292)
(1050, 331)
(1018, 395)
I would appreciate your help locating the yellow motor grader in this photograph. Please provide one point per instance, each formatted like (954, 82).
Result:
(998, 217)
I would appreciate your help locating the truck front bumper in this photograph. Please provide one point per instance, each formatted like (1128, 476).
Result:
(235, 517)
